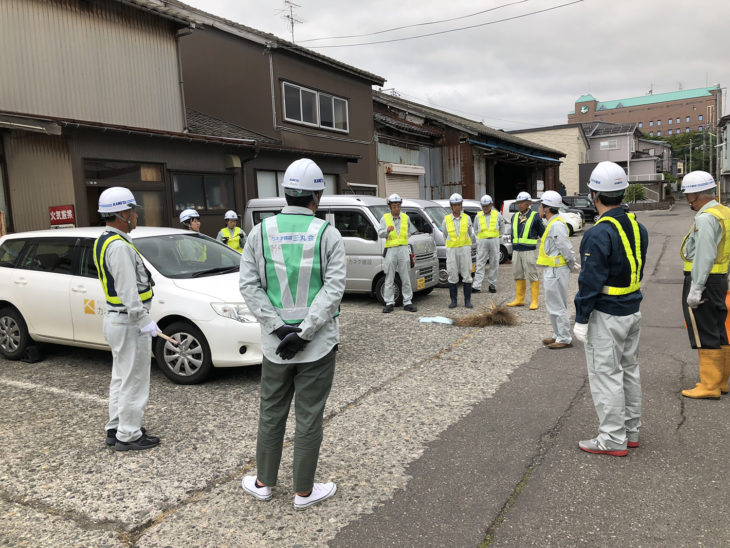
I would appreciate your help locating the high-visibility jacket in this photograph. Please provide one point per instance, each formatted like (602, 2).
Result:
(542, 257)
(105, 275)
(234, 240)
(720, 266)
(394, 239)
(518, 238)
(462, 239)
(487, 230)
(293, 267)
(633, 255)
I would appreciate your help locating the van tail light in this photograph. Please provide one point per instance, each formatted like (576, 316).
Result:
(413, 260)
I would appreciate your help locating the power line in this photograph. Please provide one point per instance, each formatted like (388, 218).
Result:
(451, 30)
(416, 24)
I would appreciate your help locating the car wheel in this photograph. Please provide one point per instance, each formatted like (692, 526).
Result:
(570, 230)
(14, 337)
(380, 289)
(443, 275)
(424, 292)
(189, 361)
(502, 254)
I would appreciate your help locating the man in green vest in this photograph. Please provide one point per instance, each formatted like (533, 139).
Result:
(488, 225)
(395, 227)
(292, 278)
(706, 252)
(232, 235)
(458, 233)
(527, 229)
(128, 327)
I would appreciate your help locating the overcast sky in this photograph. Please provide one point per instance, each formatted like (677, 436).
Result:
(525, 72)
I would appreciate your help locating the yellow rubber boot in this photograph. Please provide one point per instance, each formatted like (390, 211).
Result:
(534, 293)
(520, 287)
(725, 369)
(712, 364)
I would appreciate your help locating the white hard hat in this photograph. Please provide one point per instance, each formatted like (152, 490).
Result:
(608, 177)
(394, 199)
(187, 214)
(697, 181)
(455, 199)
(523, 196)
(115, 199)
(551, 198)
(230, 215)
(486, 200)
(303, 175)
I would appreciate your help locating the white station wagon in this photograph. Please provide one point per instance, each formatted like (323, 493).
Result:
(49, 292)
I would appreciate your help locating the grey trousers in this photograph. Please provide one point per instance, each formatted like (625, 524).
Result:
(524, 265)
(555, 284)
(487, 253)
(612, 351)
(130, 385)
(397, 259)
(311, 382)
(458, 261)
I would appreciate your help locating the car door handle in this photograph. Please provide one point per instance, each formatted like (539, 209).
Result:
(79, 289)
(20, 281)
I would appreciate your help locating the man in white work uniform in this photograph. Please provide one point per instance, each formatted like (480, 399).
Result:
(458, 233)
(488, 225)
(395, 227)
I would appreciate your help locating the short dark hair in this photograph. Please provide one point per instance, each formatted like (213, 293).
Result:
(301, 201)
(608, 200)
(554, 210)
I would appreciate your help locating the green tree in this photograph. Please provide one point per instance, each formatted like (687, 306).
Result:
(635, 192)
(695, 145)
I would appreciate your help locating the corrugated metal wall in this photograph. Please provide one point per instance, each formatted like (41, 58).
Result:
(397, 155)
(39, 169)
(79, 60)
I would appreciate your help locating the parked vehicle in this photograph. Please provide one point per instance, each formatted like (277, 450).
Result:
(358, 218)
(50, 292)
(573, 220)
(583, 203)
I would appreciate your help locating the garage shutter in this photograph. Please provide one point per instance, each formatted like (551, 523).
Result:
(405, 185)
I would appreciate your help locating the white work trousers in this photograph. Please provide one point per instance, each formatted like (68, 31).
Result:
(555, 283)
(397, 259)
(458, 261)
(487, 252)
(612, 351)
(130, 384)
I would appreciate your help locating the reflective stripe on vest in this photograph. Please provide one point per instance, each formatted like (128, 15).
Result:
(542, 257)
(105, 276)
(293, 268)
(393, 239)
(523, 239)
(489, 230)
(633, 256)
(234, 241)
(720, 266)
(463, 238)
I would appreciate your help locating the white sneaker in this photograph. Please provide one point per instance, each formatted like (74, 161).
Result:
(320, 492)
(249, 485)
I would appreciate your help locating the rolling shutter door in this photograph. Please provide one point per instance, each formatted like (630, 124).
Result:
(404, 185)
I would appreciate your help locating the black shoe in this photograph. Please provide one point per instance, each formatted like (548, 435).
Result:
(475, 290)
(388, 309)
(492, 289)
(140, 444)
(410, 308)
(111, 435)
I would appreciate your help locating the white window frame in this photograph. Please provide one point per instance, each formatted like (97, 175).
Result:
(610, 144)
(318, 96)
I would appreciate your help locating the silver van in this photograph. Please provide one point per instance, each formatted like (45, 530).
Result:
(358, 218)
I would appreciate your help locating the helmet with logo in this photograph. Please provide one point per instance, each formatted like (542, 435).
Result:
(188, 214)
(116, 199)
(608, 177)
(455, 198)
(303, 176)
(697, 181)
(522, 196)
(395, 199)
(230, 215)
(550, 198)
(486, 200)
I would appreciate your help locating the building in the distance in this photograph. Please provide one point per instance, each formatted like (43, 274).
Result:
(656, 114)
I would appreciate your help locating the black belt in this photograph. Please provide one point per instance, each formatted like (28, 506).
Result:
(118, 311)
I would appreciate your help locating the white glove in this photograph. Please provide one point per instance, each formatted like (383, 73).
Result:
(576, 267)
(580, 330)
(150, 329)
(694, 297)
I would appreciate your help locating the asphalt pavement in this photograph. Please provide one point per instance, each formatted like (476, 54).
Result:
(436, 436)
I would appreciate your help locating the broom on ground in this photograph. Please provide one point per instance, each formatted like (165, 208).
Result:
(491, 315)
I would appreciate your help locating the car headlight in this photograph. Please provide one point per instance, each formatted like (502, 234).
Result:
(235, 311)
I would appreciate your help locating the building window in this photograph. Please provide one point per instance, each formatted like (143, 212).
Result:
(658, 133)
(611, 144)
(699, 128)
(686, 119)
(314, 108)
(678, 121)
(641, 124)
(202, 192)
(670, 132)
(268, 183)
(700, 118)
(658, 122)
(686, 130)
(651, 134)
(651, 123)
(669, 121)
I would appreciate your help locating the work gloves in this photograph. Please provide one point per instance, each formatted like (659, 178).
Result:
(694, 297)
(580, 331)
(290, 343)
(150, 329)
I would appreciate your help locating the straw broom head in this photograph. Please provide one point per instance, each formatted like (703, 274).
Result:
(491, 315)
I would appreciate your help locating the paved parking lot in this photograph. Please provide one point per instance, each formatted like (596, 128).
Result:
(399, 384)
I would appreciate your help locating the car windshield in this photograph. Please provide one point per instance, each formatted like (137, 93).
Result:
(437, 214)
(188, 255)
(379, 210)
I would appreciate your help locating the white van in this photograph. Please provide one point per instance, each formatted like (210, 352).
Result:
(358, 218)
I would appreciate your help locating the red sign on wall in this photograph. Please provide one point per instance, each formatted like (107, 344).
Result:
(61, 215)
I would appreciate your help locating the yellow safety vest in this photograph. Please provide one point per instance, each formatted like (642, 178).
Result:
(542, 257)
(394, 239)
(463, 238)
(234, 241)
(633, 256)
(105, 276)
(487, 230)
(720, 266)
(523, 239)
